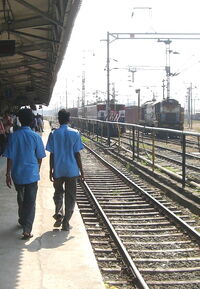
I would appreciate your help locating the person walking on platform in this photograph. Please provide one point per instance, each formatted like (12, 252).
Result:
(24, 152)
(64, 145)
(2, 137)
(40, 123)
(7, 122)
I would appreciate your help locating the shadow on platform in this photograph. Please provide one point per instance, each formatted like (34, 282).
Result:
(49, 240)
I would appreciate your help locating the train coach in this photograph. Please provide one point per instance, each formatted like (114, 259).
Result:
(99, 112)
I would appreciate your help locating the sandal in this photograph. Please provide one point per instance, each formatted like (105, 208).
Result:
(26, 236)
(58, 223)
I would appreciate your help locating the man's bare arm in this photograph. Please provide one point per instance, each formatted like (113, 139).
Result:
(79, 163)
(8, 171)
(51, 165)
(39, 162)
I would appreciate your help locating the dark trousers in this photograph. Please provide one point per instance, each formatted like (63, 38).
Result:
(26, 197)
(64, 187)
(2, 143)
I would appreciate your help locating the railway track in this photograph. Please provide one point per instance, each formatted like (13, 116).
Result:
(163, 177)
(167, 145)
(192, 143)
(140, 241)
(169, 159)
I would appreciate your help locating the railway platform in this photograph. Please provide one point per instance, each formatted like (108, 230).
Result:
(52, 258)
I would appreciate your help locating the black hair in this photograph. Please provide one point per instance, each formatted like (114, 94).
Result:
(25, 116)
(63, 116)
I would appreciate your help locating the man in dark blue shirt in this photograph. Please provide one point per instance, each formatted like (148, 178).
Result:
(24, 152)
(64, 144)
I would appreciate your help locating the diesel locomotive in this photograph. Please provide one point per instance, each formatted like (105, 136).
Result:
(167, 113)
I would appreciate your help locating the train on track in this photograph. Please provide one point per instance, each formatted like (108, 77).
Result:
(99, 112)
(167, 113)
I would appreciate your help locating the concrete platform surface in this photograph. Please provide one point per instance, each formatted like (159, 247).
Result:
(51, 259)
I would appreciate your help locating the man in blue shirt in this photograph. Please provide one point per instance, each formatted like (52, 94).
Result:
(64, 144)
(24, 152)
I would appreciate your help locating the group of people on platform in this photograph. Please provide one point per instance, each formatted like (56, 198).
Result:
(10, 122)
(37, 124)
(25, 150)
(6, 123)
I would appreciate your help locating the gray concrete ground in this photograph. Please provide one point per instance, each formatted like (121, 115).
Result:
(51, 259)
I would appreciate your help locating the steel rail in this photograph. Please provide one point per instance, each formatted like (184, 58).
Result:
(178, 162)
(145, 141)
(125, 255)
(192, 232)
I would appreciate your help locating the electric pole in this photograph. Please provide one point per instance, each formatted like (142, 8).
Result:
(66, 96)
(83, 93)
(138, 113)
(191, 106)
(163, 87)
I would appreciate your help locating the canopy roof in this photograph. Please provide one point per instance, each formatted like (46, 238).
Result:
(33, 39)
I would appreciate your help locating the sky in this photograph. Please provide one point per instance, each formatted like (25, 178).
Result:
(86, 52)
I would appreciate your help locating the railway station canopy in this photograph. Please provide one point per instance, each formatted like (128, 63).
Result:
(33, 39)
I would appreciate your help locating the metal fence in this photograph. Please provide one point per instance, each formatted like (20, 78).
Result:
(110, 132)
